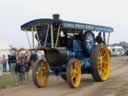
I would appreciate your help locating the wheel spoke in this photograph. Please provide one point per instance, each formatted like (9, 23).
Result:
(99, 67)
(42, 77)
(101, 51)
(101, 60)
(104, 55)
(73, 77)
(72, 73)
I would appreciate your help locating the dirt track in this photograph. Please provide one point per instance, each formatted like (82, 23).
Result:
(117, 85)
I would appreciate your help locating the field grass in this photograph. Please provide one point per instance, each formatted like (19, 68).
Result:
(6, 81)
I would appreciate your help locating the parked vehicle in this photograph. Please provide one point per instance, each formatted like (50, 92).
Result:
(116, 50)
(71, 55)
(126, 52)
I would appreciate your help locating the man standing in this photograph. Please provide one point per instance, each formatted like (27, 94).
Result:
(4, 62)
(1, 67)
(20, 70)
(12, 62)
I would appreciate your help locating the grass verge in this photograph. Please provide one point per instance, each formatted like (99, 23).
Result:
(6, 81)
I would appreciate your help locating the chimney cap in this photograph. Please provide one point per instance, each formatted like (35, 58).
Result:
(56, 16)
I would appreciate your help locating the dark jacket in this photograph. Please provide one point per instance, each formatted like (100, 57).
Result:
(20, 67)
(11, 59)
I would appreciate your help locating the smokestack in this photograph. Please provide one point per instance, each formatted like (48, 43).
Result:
(56, 16)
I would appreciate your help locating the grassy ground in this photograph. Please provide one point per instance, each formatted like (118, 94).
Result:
(6, 81)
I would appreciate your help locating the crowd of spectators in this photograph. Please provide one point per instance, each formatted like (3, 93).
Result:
(15, 65)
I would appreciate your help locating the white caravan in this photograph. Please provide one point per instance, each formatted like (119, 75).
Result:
(116, 50)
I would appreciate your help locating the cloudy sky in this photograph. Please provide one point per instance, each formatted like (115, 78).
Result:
(14, 13)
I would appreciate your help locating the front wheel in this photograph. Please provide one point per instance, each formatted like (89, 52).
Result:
(101, 63)
(73, 73)
(40, 74)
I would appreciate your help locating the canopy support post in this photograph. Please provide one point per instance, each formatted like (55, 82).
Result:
(52, 38)
(108, 38)
(104, 37)
(38, 41)
(57, 36)
(29, 43)
(33, 42)
(46, 37)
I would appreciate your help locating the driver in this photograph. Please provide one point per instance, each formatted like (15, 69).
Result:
(99, 39)
(41, 36)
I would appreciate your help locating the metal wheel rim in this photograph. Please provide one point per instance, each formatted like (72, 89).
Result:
(41, 74)
(104, 63)
(75, 73)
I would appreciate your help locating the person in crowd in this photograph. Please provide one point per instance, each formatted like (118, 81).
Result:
(20, 69)
(4, 62)
(12, 62)
(27, 65)
(1, 67)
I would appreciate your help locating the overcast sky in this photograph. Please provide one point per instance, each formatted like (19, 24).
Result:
(14, 13)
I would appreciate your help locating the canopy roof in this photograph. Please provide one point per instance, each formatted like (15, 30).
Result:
(65, 25)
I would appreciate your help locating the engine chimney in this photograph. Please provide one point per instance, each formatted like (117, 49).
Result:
(56, 16)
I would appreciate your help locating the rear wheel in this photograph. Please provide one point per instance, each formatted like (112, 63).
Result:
(40, 74)
(101, 63)
(74, 73)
